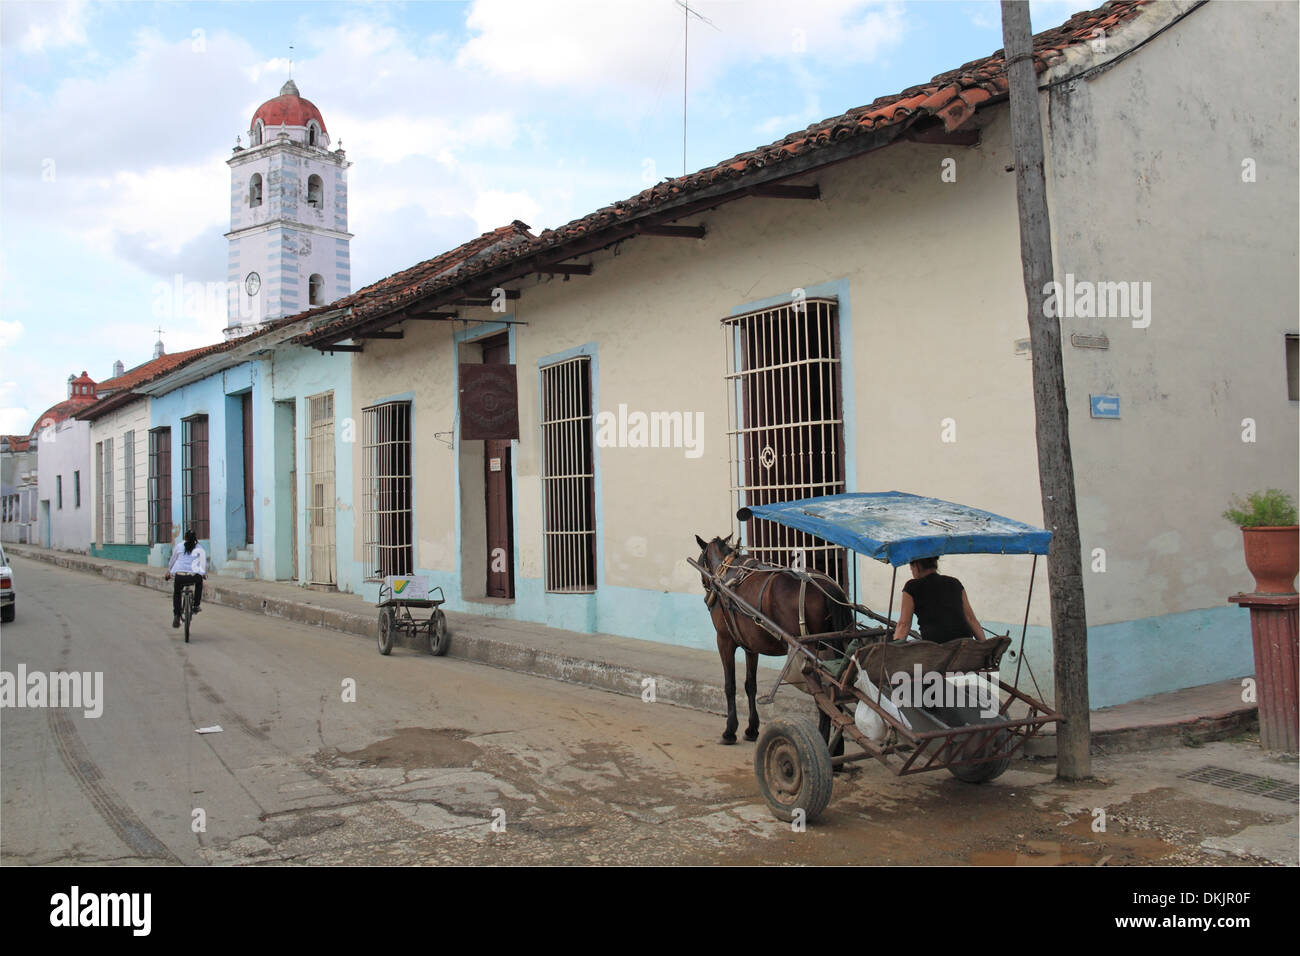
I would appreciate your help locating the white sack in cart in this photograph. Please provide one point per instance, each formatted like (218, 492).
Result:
(871, 724)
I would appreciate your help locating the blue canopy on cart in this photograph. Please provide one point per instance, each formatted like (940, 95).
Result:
(895, 527)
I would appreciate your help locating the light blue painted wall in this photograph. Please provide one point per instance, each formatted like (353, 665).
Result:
(208, 396)
(295, 373)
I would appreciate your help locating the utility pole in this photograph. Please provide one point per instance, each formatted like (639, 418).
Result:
(1055, 464)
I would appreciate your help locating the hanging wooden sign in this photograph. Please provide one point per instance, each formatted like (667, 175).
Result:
(489, 402)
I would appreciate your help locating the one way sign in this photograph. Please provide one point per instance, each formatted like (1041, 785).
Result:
(1104, 406)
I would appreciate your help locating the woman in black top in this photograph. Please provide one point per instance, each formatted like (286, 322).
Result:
(943, 612)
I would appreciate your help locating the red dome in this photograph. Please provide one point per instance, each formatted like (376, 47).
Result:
(288, 108)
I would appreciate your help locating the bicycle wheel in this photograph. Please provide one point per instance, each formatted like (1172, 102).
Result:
(187, 610)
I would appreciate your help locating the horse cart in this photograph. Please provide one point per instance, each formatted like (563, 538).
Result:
(398, 596)
(914, 705)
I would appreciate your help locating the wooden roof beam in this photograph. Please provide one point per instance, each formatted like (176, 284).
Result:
(566, 269)
(379, 335)
(336, 347)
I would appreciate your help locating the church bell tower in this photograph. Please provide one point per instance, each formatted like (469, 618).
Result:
(288, 235)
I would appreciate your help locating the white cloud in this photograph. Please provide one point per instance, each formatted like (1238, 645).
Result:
(10, 332)
(40, 27)
(638, 44)
(494, 208)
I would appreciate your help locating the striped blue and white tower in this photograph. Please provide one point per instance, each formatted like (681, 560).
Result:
(288, 216)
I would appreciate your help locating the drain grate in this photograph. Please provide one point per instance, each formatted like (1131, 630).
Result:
(1246, 783)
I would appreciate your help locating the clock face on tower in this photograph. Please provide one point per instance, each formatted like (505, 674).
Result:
(253, 283)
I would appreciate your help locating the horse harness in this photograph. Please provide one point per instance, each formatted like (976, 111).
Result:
(732, 575)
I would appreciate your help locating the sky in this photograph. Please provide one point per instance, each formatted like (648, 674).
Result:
(117, 118)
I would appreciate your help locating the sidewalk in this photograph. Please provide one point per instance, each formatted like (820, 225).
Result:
(687, 677)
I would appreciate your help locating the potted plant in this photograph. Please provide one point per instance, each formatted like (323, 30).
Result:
(1268, 526)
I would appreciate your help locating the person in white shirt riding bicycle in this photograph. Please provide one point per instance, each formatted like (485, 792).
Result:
(189, 565)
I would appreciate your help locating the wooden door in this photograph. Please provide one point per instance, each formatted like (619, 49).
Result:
(497, 493)
(248, 466)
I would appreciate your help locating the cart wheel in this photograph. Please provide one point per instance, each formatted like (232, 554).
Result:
(984, 772)
(386, 630)
(793, 768)
(439, 639)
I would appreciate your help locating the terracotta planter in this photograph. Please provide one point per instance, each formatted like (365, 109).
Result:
(1273, 557)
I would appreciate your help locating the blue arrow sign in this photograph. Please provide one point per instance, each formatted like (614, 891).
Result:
(1104, 406)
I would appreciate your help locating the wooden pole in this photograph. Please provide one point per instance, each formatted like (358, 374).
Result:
(1055, 465)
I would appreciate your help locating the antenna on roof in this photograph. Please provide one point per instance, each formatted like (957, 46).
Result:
(687, 13)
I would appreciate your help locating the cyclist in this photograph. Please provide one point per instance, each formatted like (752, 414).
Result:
(189, 565)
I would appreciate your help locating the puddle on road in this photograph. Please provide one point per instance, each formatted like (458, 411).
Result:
(414, 747)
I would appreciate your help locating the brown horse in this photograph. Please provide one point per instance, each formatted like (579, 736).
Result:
(776, 593)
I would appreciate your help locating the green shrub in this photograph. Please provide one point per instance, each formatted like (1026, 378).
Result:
(1261, 509)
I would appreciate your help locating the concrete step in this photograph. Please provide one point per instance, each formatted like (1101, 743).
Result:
(237, 568)
(244, 554)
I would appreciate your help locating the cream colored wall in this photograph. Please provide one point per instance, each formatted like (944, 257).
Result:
(420, 368)
(114, 425)
(933, 285)
(1146, 184)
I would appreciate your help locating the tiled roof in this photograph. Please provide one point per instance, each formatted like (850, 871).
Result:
(152, 369)
(17, 442)
(62, 411)
(140, 375)
(950, 98)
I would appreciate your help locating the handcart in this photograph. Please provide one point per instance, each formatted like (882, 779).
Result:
(398, 597)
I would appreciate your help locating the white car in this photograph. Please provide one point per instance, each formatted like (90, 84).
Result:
(7, 600)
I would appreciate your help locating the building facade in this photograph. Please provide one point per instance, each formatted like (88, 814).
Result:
(830, 314)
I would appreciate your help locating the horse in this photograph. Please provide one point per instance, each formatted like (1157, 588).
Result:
(799, 602)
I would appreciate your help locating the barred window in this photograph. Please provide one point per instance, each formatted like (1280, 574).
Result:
(786, 434)
(568, 476)
(160, 485)
(128, 485)
(386, 490)
(106, 491)
(194, 475)
(321, 508)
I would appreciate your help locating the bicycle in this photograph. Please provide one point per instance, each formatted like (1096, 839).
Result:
(187, 607)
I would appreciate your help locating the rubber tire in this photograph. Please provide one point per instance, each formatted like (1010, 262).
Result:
(984, 772)
(187, 613)
(794, 754)
(386, 631)
(7, 614)
(439, 639)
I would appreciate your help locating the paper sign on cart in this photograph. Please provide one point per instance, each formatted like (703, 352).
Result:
(408, 588)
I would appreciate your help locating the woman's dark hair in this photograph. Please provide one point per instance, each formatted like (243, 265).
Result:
(925, 564)
(191, 539)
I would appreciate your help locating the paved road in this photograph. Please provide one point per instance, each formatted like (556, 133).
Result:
(442, 761)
